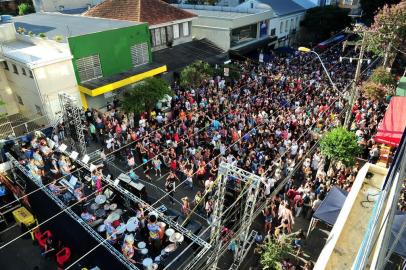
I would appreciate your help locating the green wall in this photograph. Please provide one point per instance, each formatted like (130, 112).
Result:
(113, 47)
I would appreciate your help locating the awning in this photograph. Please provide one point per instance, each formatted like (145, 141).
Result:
(250, 46)
(401, 90)
(391, 128)
(184, 54)
(107, 84)
(331, 206)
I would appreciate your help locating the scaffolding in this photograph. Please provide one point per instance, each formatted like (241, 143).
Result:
(72, 214)
(244, 242)
(72, 118)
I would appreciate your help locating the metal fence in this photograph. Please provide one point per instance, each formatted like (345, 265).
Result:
(19, 124)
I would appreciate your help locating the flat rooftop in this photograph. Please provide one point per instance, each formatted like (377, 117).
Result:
(222, 14)
(53, 24)
(34, 55)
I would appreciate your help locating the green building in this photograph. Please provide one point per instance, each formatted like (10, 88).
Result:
(108, 56)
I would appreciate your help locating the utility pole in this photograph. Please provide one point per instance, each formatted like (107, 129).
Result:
(354, 91)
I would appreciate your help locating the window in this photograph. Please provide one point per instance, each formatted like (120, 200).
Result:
(273, 31)
(286, 25)
(243, 34)
(185, 26)
(20, 100)
(30, 72)
(38, 109)
(6, 65)
(15, 70)
(291, 24)
(89, 68)
(176, 31)
(23, 71)
(139, 54)
(281, 28)
(297, 21)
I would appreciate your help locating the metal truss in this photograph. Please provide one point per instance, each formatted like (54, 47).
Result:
(74, 216)
(252, 182)
(73, 120)
(247, 245)
(162, 216)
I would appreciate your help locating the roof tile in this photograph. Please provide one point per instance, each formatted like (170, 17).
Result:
(151, 11)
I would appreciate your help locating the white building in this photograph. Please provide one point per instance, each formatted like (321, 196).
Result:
(62, 5)
(286, 22)
(231, 28)
(33, 71)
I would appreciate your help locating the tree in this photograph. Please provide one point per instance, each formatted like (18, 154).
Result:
(374, 91)
(370, 7)
(24, 9)
(195, 74)
(340, 144)
(144, 95)
(273, 252)
(387, 35)
(381, 76)
(321, 22)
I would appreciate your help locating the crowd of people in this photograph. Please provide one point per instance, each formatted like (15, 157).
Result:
(265, 123)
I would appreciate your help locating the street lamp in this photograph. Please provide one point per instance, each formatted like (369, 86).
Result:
(307, 50)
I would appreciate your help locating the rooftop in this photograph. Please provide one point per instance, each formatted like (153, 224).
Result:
(221, 14)
(153, 12)
(34, 54)
(283, 7)
(52, 24)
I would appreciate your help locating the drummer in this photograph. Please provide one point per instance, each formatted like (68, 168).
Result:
(154, 229)
(128, 247)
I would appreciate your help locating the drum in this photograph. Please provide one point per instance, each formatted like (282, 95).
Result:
(141, 245)
(101, 228)
(147, 263)
(100, 199)
(94, 206)
(100, 213)
(157, 259)
(154, 266)
(144, 251)
(113, 217)
(107, 207)
(132, 224)
(170, 248)
(169, 232)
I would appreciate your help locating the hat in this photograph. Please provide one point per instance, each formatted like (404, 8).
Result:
(176, 237)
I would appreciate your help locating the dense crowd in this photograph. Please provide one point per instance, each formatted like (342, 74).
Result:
(265, 123)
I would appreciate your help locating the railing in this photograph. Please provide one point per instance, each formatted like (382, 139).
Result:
(21, 125)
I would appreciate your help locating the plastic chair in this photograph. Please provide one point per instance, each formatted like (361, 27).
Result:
(36, 234)
(63, 256)
(43, 238)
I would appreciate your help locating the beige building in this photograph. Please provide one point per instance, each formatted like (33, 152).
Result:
(33, 71)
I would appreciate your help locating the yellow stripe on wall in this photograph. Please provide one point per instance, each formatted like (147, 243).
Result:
(115, 85)
(84, 100)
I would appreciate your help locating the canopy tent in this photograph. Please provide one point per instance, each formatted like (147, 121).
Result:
(391, 128)
(331, 206)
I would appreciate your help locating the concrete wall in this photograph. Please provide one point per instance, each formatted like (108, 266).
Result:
(7, 32)
(53, 5)
(7, 96)
(219, 36)
(54, 79)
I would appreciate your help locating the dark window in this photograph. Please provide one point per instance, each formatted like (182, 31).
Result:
(23, 71)
(243, 34)
(20, 100)
(30, 72)
(15, 70)
(6, 65)
(273, 32)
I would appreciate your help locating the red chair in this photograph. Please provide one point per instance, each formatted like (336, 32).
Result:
(63, 256)
(43, 238)
(37, 234)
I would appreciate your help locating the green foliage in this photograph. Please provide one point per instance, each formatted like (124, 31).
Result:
(322, 22)
(383, 77)
(21, 30)
(340, 144)
(273, 252)
(144, 95)
(374, 91)
(194, 74)
(370, 7)
(24, 9)
(42, 35)
(388, 32)
(30, 33)
(58, 38)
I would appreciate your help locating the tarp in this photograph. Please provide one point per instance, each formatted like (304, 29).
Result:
(391, 128)
(401, 90)
(400, 247)
(330, 207)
